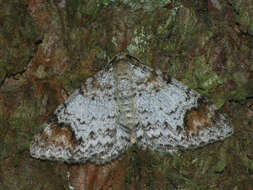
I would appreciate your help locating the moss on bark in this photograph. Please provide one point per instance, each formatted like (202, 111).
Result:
(205, 44)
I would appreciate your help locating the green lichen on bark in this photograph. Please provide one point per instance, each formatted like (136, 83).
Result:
(18, 38)
(209, 51)
(20, 120)
(244, 15)
(197, 48)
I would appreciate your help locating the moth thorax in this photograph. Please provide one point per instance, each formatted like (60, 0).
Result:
(125, 98)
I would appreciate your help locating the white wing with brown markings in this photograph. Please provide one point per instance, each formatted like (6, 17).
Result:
(123, 104)
(87, 126)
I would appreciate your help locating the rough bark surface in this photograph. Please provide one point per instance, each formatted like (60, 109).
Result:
(48, 48)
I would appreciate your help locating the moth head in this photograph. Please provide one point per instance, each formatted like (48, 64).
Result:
(124, 58)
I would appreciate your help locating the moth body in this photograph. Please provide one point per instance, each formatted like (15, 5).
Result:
(128, 103)
(126, 98)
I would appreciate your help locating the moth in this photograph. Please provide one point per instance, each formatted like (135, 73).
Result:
(128, 103)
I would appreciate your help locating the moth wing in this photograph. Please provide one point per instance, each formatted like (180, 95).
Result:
(173, 117)
(84, 127)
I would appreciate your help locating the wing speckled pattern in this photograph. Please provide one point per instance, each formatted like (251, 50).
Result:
(166, 114)
(90, 115)
(128, 103)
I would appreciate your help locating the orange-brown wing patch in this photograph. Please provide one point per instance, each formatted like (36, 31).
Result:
(58, 135)
(200, 118)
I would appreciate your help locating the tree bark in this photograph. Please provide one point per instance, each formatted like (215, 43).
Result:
(48, 48)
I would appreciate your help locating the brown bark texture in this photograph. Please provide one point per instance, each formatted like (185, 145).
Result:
(48, 48)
